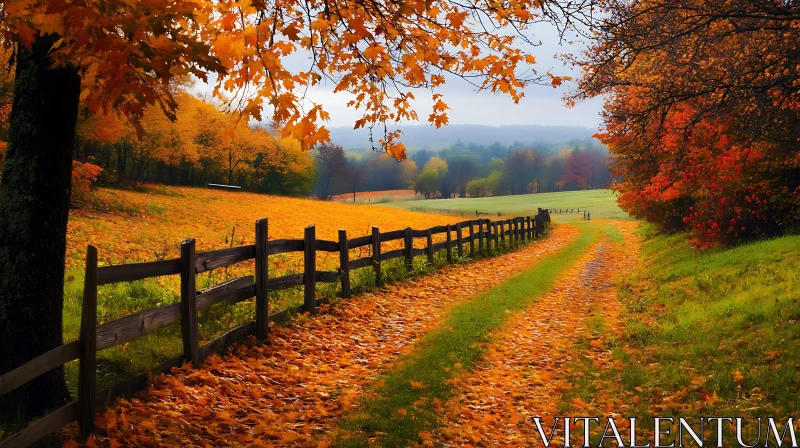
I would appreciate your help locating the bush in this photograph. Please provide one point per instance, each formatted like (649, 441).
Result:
(722, 189)
(84, 177)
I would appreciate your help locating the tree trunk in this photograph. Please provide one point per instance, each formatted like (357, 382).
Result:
(34, 206)
(122, 158)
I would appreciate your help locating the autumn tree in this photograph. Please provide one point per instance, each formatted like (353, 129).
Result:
(289, 170)
(519, 169)
(429, 180)
(462, 168)
(123, 56)
(703, 113)
(577, 170)
(243, 146)
(356, 173)
(384, 172)
(331, 163)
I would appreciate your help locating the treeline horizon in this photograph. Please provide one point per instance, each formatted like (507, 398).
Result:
(466, 169)
(204, 145)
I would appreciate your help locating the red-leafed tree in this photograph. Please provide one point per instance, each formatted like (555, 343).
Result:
(578, 170)
(703, 113)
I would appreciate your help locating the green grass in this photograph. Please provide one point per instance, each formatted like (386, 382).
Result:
(457, 344)
(601, 203)
(717, 313)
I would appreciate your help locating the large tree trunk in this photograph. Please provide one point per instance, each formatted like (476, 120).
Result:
(34, 205)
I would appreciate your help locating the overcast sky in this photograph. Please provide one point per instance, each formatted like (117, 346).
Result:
(541, 105)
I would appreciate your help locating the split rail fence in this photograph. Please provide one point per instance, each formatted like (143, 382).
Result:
(587, 216)
(486, 233)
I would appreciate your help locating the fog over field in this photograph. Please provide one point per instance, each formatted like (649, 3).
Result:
(419, 136)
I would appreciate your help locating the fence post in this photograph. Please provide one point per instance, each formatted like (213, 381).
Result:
(459, 241)
(487, 223)
(515, 230)
(480, 237)
(502, 231)
(533, 227)
(429, 248)
(496, 238)
(409, 246)
(522, 229)
(262, 301)
(310, 270)
(344, 264)
(529, 229)
(589, 216)
(376, 254)
(191, 338)
(471, 239)
(449, 244)
(87, 374)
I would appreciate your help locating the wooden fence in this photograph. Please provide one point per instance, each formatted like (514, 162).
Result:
(92, 337)
(587, 216)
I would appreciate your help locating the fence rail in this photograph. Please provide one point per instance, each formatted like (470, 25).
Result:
(587, 215)
(94, 338)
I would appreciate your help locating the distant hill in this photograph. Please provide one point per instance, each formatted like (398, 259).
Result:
(424, 136)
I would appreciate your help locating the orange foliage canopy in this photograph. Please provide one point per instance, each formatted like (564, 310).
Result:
(378, 52)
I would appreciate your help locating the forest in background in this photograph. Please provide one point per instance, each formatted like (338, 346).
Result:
(466, 169)
(205, 145)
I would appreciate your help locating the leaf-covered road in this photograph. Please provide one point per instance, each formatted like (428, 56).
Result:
(292, 391)
(528, 365)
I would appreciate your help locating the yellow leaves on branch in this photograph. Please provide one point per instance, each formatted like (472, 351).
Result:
(130, 52)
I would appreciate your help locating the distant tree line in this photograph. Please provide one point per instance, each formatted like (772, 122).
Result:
(202, 145)
(463, 170)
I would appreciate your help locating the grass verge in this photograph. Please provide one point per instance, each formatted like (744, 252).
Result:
(721, 327)
(406, 402)
(710, 333)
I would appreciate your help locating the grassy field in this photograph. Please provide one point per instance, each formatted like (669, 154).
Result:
(378, 197)
(601, 203)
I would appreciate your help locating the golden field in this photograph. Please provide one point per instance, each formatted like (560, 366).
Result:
(129, 226)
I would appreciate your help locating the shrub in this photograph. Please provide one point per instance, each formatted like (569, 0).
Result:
(84, 177)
